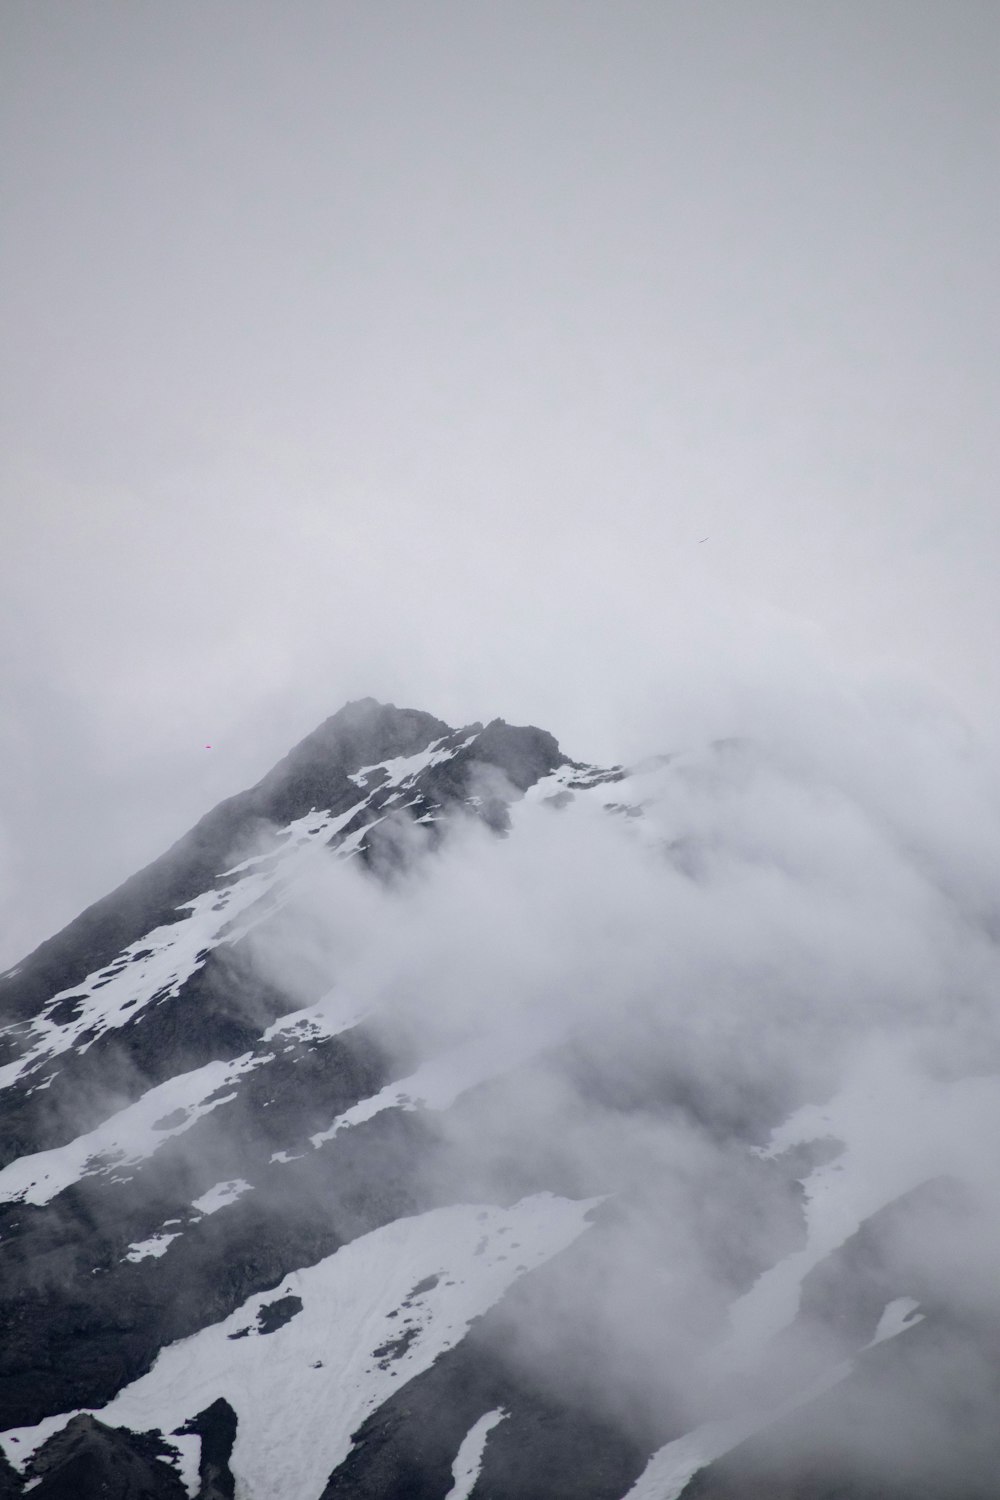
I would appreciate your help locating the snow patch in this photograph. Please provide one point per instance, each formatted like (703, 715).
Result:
(127, 1137)
(469, 1459)
(329, 1016)
(137, 1132)
(898, 1314)
(312, 829)
(222, 1193)
(402, 770)
(155, 1246)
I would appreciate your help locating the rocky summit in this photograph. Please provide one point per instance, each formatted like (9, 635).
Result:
(443, 1117)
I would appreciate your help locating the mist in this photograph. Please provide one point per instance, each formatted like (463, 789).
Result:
(747, 998)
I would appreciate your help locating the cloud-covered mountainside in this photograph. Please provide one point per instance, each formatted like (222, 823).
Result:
(444, 1119)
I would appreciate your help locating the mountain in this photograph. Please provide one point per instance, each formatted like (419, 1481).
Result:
(443, 1117)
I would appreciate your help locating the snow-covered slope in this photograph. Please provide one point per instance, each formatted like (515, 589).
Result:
(377, 1312)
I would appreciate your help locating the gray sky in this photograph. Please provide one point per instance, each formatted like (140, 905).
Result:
(412, 348)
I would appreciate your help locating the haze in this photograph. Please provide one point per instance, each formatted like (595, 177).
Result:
(414, 350)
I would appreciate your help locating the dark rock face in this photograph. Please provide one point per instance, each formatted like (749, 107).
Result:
(523, 755)
(11, 1483)
(88, 1459)
(216, 1426)
(274, 1315)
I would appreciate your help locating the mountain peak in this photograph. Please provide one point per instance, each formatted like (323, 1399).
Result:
(362, 733)
(319, 773)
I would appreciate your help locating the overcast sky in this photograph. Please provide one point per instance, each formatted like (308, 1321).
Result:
(412, 348)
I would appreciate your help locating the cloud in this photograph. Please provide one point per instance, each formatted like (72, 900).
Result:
(628, 994)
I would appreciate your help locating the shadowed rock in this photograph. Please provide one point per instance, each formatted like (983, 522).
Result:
(87, 1459)
(216, 1426)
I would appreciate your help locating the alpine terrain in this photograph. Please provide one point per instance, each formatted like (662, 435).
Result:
(444, 1117)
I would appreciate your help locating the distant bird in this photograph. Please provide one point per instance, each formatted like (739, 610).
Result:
(702, 539)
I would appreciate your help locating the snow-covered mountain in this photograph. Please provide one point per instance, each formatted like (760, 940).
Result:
(446, 1118)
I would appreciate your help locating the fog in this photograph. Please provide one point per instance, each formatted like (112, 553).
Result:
(754, 962)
